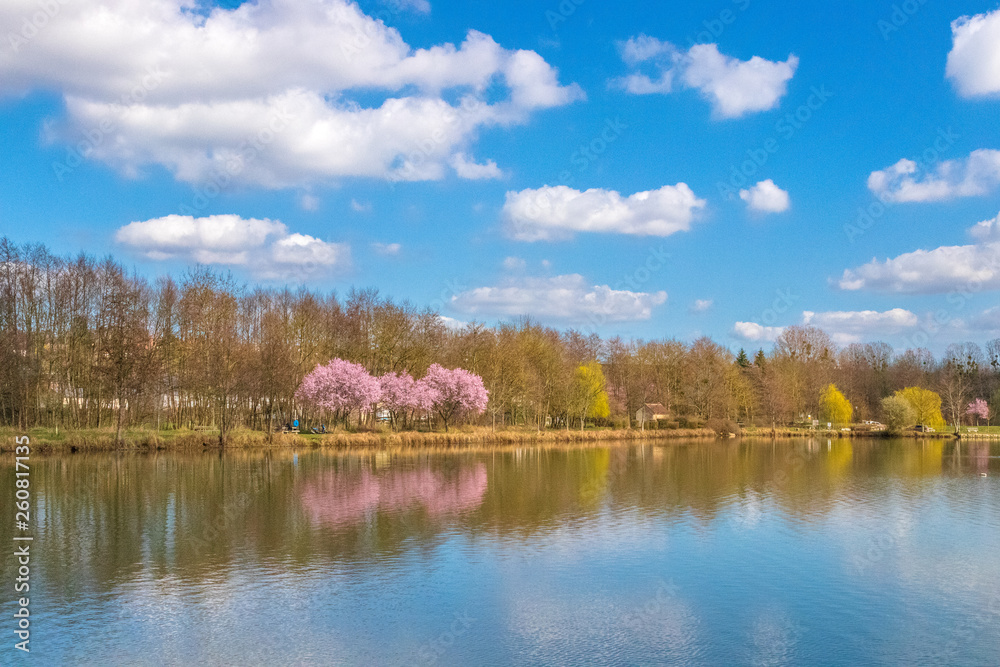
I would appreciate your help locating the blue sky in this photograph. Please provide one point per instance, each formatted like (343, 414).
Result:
(596, 141)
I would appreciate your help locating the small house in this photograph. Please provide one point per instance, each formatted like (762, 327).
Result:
(650, 412)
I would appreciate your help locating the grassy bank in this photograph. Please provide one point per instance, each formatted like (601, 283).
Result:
(791, 432)
(93, 440)
(48, 440)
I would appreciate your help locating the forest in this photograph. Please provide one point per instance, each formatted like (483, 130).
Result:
(87, 343)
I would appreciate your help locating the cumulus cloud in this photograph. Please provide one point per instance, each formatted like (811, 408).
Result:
(568, 298)
(766, 197)
(275, 93)
(470, 170)
(264, 247)
(853, 326)
(701, 305)
(986, 231)
(557, 212)
(733, 87)
(751, 331)
(844, 327)
(936, 271)
(976, 175)
(514, 263)
(974, 60)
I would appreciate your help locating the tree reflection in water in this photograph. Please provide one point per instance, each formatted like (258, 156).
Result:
(340, 498)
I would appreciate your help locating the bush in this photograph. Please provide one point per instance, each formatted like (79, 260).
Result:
(897, 413)
(618, 422)
(691, 422)
(724, 426)
(665, 424)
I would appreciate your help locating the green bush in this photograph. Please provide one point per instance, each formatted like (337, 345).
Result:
(691, 422)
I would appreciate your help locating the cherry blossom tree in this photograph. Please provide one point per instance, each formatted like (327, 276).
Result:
(340, 386)
(978, 409)
(454, 393)
(402, 394)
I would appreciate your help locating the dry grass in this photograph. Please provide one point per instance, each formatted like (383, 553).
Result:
(488, 438)
(467, 438)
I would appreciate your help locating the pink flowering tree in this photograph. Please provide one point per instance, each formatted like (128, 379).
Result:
(978, 409)
(454, 393)
(341, 387)
(401, 394)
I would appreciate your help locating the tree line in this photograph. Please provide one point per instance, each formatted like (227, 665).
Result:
(88, 343)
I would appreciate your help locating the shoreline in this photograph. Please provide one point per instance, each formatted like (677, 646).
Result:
(43, 441)
(46, 441)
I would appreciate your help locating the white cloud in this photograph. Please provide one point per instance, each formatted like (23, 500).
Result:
(987, 230)
(936, 271)
(988, 320)
(847, 327)
(309, 202)
(844, 327)
(472, 171)
(557, 212)
(733, 87)
(361, 206)
(976, 175)
(701, 305)
(298, 252)
(766, 197)
(514, 264)
(264, 247)
(568, 298)
(387, 249)
(642, 48)
(756, 332)
(452, 324)
(974, 60)
(218, 239)
(268, 93)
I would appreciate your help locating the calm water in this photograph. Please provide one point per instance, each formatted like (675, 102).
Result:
(713, 553)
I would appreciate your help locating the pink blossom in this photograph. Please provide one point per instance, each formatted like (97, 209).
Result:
(455, 392)
(340, 498)
(401, 392)
(340, 385)
(979, 408)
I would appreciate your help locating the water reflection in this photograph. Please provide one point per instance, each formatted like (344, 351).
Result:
(685, 553)
(338, 498)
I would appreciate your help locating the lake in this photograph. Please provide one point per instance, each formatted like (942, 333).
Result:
(703, 553)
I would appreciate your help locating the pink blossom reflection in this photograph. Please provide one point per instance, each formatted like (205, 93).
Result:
(342, 498)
